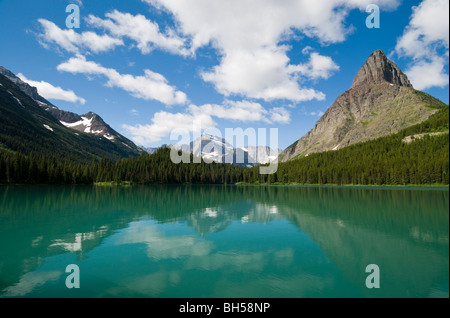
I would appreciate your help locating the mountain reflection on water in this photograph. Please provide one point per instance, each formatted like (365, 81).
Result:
(296, 241)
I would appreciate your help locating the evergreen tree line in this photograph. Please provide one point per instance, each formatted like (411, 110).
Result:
(385, 161)
(16, 168)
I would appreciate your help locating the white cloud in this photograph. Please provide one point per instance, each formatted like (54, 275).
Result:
(73, 42)
(262, 74)
(78, 2)
(428, 27)
(244, 111)
(144, 32)
(253, 24)
(49, 91)
(426, 74)
(318, 67)
(247, 35)
(164, 123)
(150, 86)
(280, 115)
(426, 41)
(318, 113)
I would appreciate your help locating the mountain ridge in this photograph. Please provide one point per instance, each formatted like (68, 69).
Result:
(380, 102)
(379, 69)
(27, 127)
(217, 149)
(90, 123)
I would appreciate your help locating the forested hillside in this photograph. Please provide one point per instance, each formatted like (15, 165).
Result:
(28, 128)
(386, 161)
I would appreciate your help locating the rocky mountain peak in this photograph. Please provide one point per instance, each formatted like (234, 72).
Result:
(26, 88)
(378, 69)
(381, 102)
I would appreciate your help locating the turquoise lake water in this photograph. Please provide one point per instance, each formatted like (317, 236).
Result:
(223, 241)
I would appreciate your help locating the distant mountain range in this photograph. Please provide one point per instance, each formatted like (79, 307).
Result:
(90, 137)
(214, 149)
(380, 102)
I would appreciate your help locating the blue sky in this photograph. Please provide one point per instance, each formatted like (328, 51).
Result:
(150, 66)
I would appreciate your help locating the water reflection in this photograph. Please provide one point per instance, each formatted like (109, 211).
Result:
(224, 241)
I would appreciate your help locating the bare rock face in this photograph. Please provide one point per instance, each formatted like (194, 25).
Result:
(27, 89)
(379, 69)
(380, 102)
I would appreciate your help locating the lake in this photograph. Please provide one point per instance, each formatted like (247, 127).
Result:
(223, 241)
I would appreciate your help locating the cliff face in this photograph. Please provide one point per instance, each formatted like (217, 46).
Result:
(27, 89)
(380, 102)
(379, 69)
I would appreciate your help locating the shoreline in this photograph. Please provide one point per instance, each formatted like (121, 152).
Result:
(441, 187)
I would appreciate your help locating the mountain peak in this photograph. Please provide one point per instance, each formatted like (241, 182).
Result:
(379, 69)
(25, 87)
(381, 102)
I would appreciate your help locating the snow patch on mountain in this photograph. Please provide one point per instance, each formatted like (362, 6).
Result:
(18, 101)
(85, 122)
(48, 127)
(126, 145)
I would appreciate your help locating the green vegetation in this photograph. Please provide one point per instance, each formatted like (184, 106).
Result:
(22, 130)
(146, 169)
(384, 161)
(429, 100)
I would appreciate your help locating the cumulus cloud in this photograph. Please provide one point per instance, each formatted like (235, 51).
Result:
(247, 35)
(426, 74)
(49, 91)
(164, 123)
(261, 74)
(426, 41)
(244, 111)
(318, 67)
(144, 32)
(74, 42)
(150, 86)
(280, 115)
(78, 2)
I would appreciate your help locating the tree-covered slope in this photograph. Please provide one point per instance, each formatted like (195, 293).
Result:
(27, 128)
(381, 102)
(387, 160)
